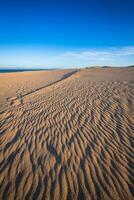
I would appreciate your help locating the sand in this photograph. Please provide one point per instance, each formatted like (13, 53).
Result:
(15, 85)
(71, 138)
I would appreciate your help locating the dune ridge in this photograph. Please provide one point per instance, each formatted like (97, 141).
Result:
(71, 140)
(15, 85)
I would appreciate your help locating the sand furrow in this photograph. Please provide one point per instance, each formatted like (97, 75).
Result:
(71, 140)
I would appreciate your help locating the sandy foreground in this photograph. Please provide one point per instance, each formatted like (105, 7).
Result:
(67, 136)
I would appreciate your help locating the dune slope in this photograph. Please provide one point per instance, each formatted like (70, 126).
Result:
(71, 140)
(17, 84)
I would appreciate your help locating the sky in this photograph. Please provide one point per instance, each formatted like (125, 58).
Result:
(66, 33)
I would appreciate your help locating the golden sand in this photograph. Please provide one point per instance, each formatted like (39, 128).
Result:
(72, 139)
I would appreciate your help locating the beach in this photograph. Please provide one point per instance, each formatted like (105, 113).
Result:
(67, 134)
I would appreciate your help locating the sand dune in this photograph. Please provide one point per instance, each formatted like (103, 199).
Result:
(70, 140)
(15, 85)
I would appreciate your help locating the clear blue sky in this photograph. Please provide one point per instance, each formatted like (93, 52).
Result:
(66, 33)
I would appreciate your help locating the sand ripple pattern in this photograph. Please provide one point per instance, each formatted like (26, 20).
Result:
(72, 140)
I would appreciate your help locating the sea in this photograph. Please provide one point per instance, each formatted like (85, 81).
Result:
(24, 70)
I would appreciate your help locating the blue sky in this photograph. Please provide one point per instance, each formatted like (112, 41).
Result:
(66, 33)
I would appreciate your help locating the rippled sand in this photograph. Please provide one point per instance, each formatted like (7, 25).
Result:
(14, 85)
(73, 139)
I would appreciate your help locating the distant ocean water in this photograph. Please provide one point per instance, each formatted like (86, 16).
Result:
(23, 70)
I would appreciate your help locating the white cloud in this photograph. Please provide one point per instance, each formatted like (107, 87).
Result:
(111, 56)
(41, 57)
(109, 52)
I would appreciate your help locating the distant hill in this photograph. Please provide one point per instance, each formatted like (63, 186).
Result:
(106, 66)
(97, 67)
(131, 66)
(91, 67)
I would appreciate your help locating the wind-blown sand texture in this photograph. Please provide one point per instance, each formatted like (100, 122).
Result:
(15, 85)
(71, 140)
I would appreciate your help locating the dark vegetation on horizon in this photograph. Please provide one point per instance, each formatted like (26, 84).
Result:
(91, 67)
